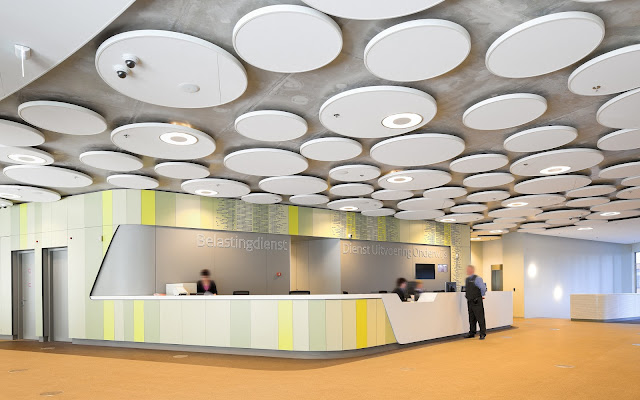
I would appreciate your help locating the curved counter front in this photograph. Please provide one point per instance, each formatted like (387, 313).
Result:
(296, 325)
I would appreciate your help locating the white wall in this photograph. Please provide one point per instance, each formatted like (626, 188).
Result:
(491, 254)
(513, 255)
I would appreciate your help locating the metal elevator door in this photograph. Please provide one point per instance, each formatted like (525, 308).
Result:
(59, 295)
(27, 295)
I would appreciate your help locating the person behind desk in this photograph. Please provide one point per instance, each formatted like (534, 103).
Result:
(475, 291)
(401, 289)
(205, 284)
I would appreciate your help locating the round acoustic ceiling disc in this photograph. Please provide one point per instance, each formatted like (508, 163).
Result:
(562, 214)
(309, 199)
(417, 149)
(447, 192)
(15, 134)
(28, 194)
(509, 220)
(506, 111)
(351, 189)
(133, 181)
(545, 44)
(469, 208)
(618, 205)
(621, 112)
(488, 180)
(161, 140)
(181, 170)
(61, 117)
(534, 225)
(631, 181)
(24, 155)
(612, 72)
(629, 193)
(261, 198)
(355, 204)
(613, 215)
(354, 173)
(293, 185)
(111, 161)
(621, 170)
(419, 215)
(392, 54)
(48, 176)
(562, 221)
(5, 203)
(271, 126)
(215, 187)
(552, 184)
(415, 179)
(556, 162)
(511, 212)
(540, 139)
(485, 238)
(488, 196)
(380, 212)
(534, 200)
(171, 69)
(625, 139)
(266, 162)
(493, 226)
(377, 111)
(422, 203)
(369, 10)
(331, 149)
(460, 218)
(587, 202)
(391, 195)
(589, 222)
(591, 190)
(287, 38)
(478, 163)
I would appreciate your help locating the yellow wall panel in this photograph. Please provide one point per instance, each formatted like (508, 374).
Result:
(148, 207)
(361, 323)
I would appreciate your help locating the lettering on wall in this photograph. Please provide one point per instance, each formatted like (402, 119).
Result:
(236, 242)
(379, 249)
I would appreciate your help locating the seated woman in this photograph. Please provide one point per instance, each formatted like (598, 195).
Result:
(205, 284)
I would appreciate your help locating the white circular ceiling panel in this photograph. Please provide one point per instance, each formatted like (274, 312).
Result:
(506, 111)
(613, 215)
(552, 184)
(355, 204)
(261, 198)
(5, 203)
(562, 221)
(28, 194)
(160, 140)
(545, 44)
(514, 212)
(133, 181)
(48, 176)
(380, 212)
(181, 170)
(170, 69)
(629, 193)
(414, 179)
(377, 111)
(493, 226)
(540, 139)
(625, 139)
(215, 187)
(331, 149)
(587, 202)
(24, 155)
(591, 191)
(534, 200)
(287, 38)
(61, 117)
(309, 199)
(488, 196)
(368, 10)
(20, 135)
(612, 72)
(354, 173)
(621, 170)
(469, 208)
(111, 161)
(534, 225)
(621, 112)
(266, 162)
(490, 179)
(422, 203)
(271, 126)
(618, 205)
(293, 185)
(509, 220)
(417, 149)
(392, 55)
(419, 215)
(557, 162)
(460, 218)
(447, 192)
(631, 181)
(391, 195)
(478, 163)
(562, 214)
(351, 189)
(589, 222)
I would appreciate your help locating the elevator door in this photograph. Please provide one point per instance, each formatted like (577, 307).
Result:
(27, 295)
(59, 295)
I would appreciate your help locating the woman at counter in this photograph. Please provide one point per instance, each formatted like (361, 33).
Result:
(205, 284)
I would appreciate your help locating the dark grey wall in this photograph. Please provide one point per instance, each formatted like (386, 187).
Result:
(315, 266)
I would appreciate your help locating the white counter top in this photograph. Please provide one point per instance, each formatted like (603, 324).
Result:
(253, 297)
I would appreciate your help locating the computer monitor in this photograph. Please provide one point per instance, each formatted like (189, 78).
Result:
(450, 287)
(425, 271)
(299, 292)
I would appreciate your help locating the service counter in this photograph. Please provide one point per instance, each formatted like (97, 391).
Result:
(605, 307)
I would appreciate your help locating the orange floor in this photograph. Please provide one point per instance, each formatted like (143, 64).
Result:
(537, 359)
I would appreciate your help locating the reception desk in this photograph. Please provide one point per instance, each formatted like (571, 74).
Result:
(605, 307)
(299, 325)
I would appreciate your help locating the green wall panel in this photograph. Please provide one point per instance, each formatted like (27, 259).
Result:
(241, 323)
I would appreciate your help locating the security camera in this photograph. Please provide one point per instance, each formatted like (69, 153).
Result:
(121, 71)
(130, 60)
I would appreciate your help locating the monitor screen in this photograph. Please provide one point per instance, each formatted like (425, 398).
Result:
(425, 271)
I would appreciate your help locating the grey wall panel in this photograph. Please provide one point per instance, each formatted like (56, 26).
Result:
(324, 266)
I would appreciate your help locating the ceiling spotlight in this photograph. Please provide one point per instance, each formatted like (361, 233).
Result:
(400, 179)
(609, 214)
(27, 159)
(448, 220)
(496, 231)
(178, 138)
(517, 204)
(555, 170)
(206, 192)
(9, 196)
(585, 228)
(348, 208)
(475, 239)
(402, 120)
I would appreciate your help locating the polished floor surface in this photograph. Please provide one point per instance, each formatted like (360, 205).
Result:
(537, 359)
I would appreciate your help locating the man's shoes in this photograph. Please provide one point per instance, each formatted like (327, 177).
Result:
(482, 337)
(469, 335)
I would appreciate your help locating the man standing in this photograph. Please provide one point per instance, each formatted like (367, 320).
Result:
(476, 289)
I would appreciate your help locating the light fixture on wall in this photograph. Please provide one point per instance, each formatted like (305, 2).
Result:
(400, 179)
(557, 293)
(402, 120)
(532, 271)
(610, 214)
(558, 169)
(178, 138)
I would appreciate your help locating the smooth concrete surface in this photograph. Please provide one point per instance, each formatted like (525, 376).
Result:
(605, 307)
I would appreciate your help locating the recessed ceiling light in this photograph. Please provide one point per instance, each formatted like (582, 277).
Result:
(400, 179)
(475, 238)
(9, 196)
(496, 231)
(178, 138)
(585, 228)
(27, 159)
(610, 214)
(517, 204)
(448, 220)
(348, 208)
(205, 192)
(402, 120)
(555, 170)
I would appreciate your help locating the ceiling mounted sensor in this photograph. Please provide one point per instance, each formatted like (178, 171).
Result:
(556, 162)
(162, 140)
(591, 190)
(545, 44)
(266, 162)
(351, 189)
(540, 139)
(24, 155)
(20, 135)
(287, 38)
(534, 200)
(28, 194)
(391, 195)
(414, 179)
(422, 203)
(419, 215)
(625, 139)
(443, 46)
(331, 149)
(478, 163)
(215, 187)
(612, 72)
(181, 170)
(621, 112)
(447, 192)
(380, 212)
(48, 176)
(271, 125)
(377, 111)
(355, 204)
(293, 185)
(460, 218)
(417, 149)
(129, 181)
(506, 111)
(621, 170)
(489, 179)
(309, 199)
(354, 173)
(111, 161)
(61, 117)
(261, 198)
(170, 69)
(587, 201)
(368, 10)
(629, 193)
(488, 196)
(552, 184)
